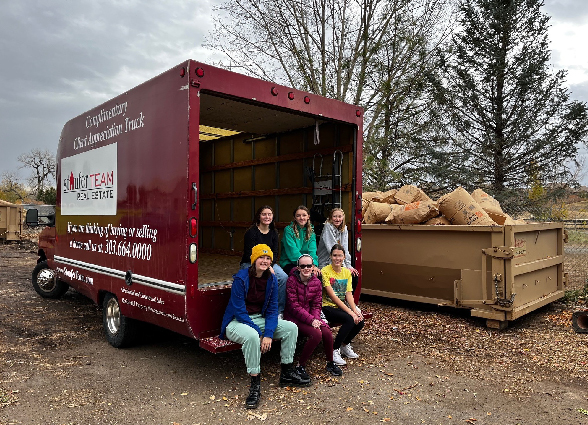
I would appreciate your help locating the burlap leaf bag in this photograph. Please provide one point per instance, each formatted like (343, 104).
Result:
(501, 219)
(487, 202)
(492, 207)
(440, 220)
(376, 212)
(413, 213)
(388, 197)
(460, 208)
(408, 194)
(366, 198)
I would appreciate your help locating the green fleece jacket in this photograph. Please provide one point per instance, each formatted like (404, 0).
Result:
(293, 247)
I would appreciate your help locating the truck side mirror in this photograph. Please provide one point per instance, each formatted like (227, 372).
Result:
(32, 217)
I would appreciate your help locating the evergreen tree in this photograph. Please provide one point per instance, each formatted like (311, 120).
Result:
(509, 120)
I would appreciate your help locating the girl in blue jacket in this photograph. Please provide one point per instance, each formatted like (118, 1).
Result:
(251, 319)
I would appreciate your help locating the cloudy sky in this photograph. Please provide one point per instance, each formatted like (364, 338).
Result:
(60, 58)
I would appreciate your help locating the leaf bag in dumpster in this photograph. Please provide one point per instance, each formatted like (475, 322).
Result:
(408, 194)
(440, 220)
(460, 208)
(487, 202)
(387, 197)
(414, 213)
(377, 212)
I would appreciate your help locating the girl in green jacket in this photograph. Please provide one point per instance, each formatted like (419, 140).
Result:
(299, 238)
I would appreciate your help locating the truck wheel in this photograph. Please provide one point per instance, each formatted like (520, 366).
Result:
(46, 283)
(120, 330)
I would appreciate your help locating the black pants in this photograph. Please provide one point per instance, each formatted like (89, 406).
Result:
(348, 329)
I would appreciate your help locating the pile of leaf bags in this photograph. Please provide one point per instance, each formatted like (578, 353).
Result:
(410, 205)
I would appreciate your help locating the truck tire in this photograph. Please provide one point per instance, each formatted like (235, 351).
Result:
(120, 330)
(46, 283)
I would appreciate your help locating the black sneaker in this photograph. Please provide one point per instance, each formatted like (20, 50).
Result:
(333, 369)
(290, 378)
(302, 372)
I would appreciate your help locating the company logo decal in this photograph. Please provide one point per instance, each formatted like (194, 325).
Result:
(88, 185)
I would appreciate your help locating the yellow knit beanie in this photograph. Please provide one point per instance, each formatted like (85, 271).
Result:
(259, 250)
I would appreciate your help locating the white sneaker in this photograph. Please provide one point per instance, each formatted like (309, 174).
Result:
(337, 358)
(347, 351)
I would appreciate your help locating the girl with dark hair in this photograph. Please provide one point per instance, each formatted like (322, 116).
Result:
(339, 306)
(299, 238)
(251, 319)
(263, 231)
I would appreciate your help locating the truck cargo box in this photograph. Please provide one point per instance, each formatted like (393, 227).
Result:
(499, 272)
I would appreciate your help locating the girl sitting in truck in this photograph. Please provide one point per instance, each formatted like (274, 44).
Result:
(335, 231)
(339, 306)
(299, 238)
(303, 307)
(263, 230)
(251, 319)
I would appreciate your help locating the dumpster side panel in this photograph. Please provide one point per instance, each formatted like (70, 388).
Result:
(425, 261)
(535, 273)
(476, 267)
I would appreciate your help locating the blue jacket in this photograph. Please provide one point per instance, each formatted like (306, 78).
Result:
(236, 308)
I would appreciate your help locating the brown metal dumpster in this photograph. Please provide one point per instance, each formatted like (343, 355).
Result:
(10, 221)
(499, 272)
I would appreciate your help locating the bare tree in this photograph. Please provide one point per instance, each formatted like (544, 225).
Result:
(42, 166)
(374, 53)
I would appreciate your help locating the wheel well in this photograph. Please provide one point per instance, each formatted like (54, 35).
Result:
(101, 295)
(42, 256)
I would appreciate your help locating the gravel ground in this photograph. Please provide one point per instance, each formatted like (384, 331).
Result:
(419, 365)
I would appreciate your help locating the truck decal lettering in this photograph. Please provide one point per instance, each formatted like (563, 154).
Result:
(134, 124)
(74, 274)
(120, 248)
(106, 114)
(134, 303)
(112, 130)
(142, 296)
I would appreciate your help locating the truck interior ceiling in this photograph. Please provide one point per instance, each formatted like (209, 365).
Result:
(250, 156)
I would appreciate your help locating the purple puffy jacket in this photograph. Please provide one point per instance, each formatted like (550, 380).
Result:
(303, 302)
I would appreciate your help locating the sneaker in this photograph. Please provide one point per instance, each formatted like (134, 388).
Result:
(302, 372)
(333, 369)
(337, 358)
(289, 377)
(348, 352)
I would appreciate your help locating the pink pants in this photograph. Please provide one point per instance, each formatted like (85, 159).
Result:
(314, 338)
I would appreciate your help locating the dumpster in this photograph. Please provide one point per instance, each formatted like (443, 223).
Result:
(500, 273)
(10, 221)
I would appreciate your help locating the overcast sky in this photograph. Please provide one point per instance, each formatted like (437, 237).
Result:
(60, 58)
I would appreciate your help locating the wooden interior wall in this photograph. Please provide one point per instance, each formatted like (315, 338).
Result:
(237, 177)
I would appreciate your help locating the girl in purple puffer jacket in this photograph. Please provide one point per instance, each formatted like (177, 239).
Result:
(303, 307)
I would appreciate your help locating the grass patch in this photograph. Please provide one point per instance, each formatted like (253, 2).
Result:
(577, 237)
(573, 296)
(7, 397)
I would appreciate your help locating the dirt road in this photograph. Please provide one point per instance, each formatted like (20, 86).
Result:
(417, 367)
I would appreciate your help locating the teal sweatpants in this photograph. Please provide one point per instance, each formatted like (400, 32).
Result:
(244, 334)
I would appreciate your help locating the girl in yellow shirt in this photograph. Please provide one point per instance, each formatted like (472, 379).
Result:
(338, 305)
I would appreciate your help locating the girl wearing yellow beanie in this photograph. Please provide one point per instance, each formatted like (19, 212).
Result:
(251, 319)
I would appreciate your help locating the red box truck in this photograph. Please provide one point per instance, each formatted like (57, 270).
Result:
(156, 188)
